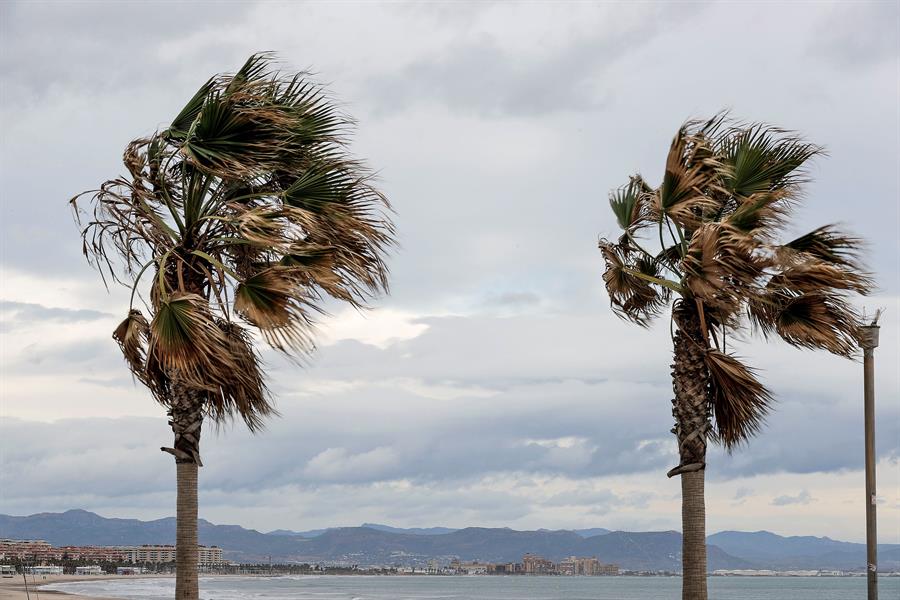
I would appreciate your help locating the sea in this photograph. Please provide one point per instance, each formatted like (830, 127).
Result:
(362, 587)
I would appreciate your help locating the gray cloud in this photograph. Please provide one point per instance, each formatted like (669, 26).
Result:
(17, 314)
(479, 76)
(859, 34)
(741, 495)
(802, 498)
(73, 48)
(497, 131)
(364, 416)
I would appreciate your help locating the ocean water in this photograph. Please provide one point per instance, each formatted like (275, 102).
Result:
(360, 587)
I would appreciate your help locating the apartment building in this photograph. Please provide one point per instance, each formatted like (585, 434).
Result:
(165, 553)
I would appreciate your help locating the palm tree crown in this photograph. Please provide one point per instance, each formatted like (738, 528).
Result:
(241, 216)
(727, 193)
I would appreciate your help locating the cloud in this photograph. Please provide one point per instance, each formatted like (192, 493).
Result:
(837, 35)
(741, 495)
(19, 314)
(27, 311)
(530, 71)
(802, 498)
(338, 464)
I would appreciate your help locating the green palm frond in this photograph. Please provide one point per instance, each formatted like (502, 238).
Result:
(761, 158)
(182, 122)
(726, 196)
(184, 337)
(629, 205)
(248, 204)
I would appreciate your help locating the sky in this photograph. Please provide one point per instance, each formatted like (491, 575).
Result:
(493, 386)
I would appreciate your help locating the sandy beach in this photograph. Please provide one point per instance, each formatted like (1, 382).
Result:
(15, 588)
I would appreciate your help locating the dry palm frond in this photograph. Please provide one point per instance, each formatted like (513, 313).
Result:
(818, 321)
(248, 202)
(685, 192)
(726, 196)
(826, 244)
(132, 335)
(814, 275)
(242, 390)
(185, 339)
(739, 401)
(632, 293)
(719, 266)
(271, 301)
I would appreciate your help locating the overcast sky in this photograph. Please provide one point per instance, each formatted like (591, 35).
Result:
(493, 387)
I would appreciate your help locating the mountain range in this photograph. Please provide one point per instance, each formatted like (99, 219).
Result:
(375, 544)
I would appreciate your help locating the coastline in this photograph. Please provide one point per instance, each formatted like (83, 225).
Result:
(15, 589)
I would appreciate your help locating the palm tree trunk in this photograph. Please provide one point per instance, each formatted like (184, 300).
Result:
(693, 541)
(690, 380)
(187, 585)
(186, 420)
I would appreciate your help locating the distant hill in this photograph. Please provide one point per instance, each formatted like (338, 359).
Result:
(375, 544)
(305, 534)
(592, 532)
(802, 552)
(80, 527)
(410, 530)
(417, 530)
(635, 551)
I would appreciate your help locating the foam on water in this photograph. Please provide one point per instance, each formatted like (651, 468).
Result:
(362, 587)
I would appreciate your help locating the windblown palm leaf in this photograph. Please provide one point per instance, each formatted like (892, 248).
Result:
(726, 195)
(242, 214)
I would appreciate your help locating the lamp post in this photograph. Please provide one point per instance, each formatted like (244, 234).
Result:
(868, 341)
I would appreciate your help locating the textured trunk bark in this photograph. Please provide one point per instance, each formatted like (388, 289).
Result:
(690, 380)
(187, 585)
(693, 541)
(186, 420)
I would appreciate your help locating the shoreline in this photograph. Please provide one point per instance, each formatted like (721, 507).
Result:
(15, 588)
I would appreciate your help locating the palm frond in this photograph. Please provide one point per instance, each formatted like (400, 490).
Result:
(248, 203)
(818, 321)
(628, 204)
(242, 390)
(628, 282)
(685, 193)
(272, 301)
(738, 400)
(185, 339)
(182, 122)
(829, 245)
(761, 158)
(720, 266)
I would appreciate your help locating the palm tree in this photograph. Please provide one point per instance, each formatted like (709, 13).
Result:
(242, 216)
(706, 238)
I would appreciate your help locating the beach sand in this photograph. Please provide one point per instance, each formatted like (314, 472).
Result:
(14, 588)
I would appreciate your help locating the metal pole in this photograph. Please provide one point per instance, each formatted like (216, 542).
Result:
(869, 341)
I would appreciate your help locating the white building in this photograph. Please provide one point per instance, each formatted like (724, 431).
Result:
(44, 570)
(89, 570)
(208, 555)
